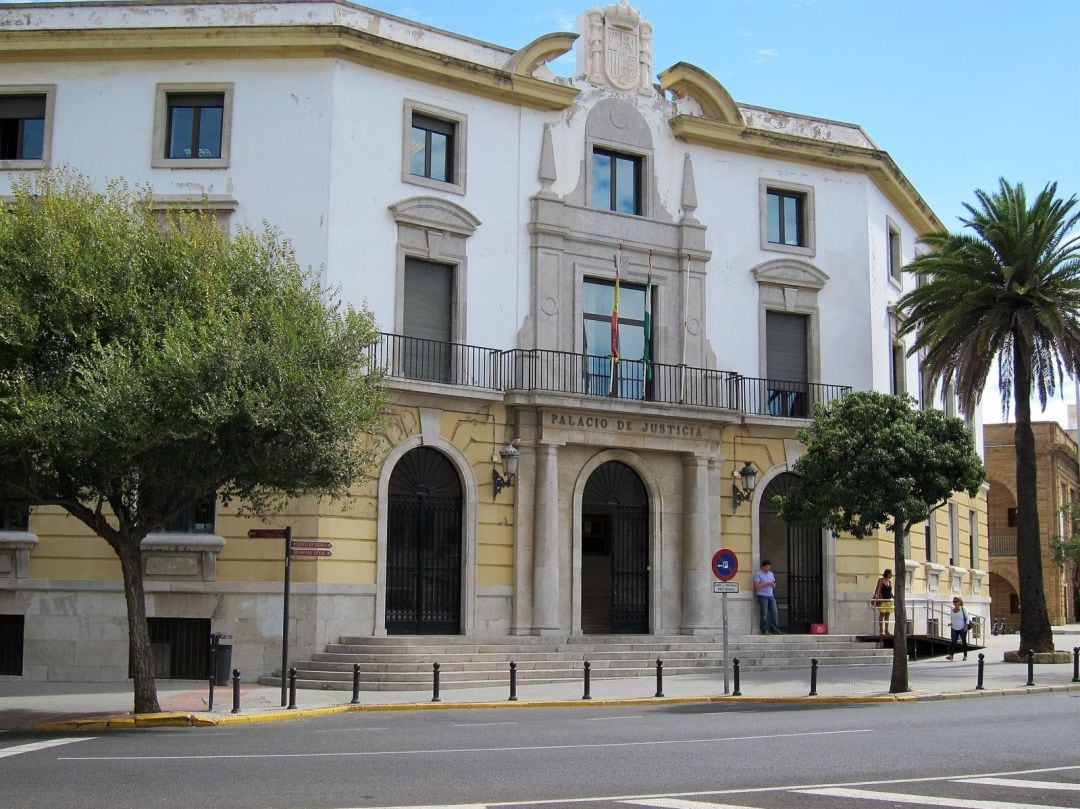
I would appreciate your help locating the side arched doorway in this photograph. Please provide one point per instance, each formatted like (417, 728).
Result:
(614, 552)
(423, 546)
(797, 561)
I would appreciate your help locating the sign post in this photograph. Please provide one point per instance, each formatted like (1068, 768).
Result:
(725, 564)
(286, 534)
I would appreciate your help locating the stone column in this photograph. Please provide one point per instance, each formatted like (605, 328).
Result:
(697, 555)
(546, 542)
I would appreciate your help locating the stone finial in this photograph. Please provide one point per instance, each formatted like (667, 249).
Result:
(689, 190)
(547, 173)
(617, 48)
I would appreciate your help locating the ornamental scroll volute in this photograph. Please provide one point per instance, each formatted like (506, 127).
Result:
(616, 48)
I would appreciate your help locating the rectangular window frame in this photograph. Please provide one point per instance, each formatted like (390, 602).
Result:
(894, 252)
(804, 194)
(973, 538)
(458, 123)
(163, 92)
(48, 93)
(615, 156)
(14, 517)
(198, 518)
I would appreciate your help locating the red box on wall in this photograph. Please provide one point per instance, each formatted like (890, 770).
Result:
(819, 629)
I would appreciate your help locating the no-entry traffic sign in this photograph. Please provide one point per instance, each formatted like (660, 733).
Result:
(725, 564)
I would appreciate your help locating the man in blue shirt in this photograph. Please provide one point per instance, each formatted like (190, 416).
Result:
(764, 582)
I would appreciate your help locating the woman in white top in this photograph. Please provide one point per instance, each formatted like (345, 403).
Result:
(958, 622)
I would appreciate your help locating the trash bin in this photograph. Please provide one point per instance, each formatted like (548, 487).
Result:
(221, 657)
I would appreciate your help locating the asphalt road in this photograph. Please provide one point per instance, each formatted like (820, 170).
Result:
(976, 753)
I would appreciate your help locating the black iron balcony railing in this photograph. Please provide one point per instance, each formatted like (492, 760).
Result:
(587, 375)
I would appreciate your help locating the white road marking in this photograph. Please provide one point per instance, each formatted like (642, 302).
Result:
(674, 803)
(30, 748)
(923, 800)
(482, 724)
(447, 751)
(610, 718)
(1020, 784)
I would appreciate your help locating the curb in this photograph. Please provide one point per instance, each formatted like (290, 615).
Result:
(182, 719)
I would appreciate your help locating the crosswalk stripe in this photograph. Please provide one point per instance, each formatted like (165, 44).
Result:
(675, 803)
(30, 748)
(1020, 784)
(924, 800)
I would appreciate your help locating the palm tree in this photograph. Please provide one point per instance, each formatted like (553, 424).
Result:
(1008, 289)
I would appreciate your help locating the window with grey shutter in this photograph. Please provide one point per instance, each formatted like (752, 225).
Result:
(786, 364)
(427, 322)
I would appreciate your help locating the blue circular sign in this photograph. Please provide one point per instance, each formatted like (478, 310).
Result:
(725, 564)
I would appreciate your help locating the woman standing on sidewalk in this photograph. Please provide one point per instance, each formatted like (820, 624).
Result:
(958, 622)
(883, 601)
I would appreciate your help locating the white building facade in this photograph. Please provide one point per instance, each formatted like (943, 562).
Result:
(487, 211)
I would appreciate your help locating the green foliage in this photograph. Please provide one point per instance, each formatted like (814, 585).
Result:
(871, 458)
(1014, 279)
(145, 364)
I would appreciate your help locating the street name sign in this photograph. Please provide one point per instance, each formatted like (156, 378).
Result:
(725, 587)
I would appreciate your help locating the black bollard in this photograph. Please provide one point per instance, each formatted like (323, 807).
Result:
(236, 690)
(659, 677)
(435, 667)
(735, 667)
(292, 688)
(979, 679)
(813, 676)
(588, 669)
(1076, 664)
(513, 681)
(355, 683)
(1031, 667)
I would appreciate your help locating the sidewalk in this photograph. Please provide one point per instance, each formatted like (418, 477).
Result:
(97, 706)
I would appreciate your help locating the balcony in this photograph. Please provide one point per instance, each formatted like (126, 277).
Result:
(1003, 546)
(585, 375)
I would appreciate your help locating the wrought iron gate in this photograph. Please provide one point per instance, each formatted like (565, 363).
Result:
(615, 500)
(423, 546)
(796, 554)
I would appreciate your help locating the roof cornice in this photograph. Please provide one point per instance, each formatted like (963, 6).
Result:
(292, 41)
(839, 156)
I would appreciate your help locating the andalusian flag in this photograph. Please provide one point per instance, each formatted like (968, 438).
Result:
(646, 353)
(615, 326)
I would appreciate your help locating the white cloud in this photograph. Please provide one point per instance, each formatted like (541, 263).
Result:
(766, 55)
(565, 20)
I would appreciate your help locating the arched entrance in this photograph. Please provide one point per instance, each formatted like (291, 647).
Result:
(797, 561)
(614, 552)
(423, 546)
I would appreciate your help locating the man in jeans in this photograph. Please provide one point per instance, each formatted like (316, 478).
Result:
(764, 582)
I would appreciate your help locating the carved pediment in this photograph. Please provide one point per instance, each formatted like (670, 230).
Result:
(786, 272)
(434, 213)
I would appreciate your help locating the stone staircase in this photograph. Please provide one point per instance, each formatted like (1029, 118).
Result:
(404, 663)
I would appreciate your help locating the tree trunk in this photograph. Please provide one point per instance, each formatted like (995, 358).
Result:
(899, 682)
(142, 658)
(1035, 630)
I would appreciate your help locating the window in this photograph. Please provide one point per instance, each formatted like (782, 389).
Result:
(954, 535)
(786, 363)
(895, 259)
(1010, 517)
(897, 358)
(596, 334)
(434, 154)
(616, 182)
(14, 518)
(192, 125)
(427, 322)
(25, 126)
(198, 518)
(930, 540)
(180, 646)
(787, 217)
(11, 645)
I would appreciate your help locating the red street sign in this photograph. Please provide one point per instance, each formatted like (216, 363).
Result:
(309, 552)
(311, 543)
(266, 533)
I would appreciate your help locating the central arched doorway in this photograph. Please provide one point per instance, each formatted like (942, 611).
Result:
(614, 552)
(797, 561)
(423, 546)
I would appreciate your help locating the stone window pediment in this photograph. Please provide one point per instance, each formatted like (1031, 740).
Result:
(433, 213)
(788, 273)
